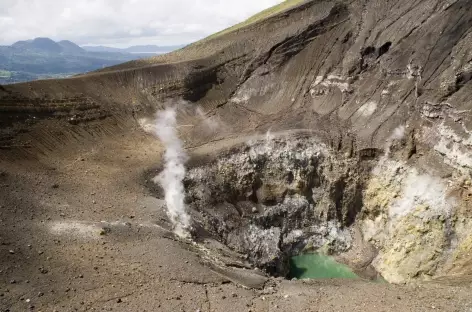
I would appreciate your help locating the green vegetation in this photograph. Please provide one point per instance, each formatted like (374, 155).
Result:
(5, 74)
(314, 265)
(201, 49)
(287, 4)
(19, 76)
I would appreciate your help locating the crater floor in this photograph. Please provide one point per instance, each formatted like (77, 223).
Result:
(56, 254)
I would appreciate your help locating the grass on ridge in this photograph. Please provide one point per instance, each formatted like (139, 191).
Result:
(200, 49)
(287, 4)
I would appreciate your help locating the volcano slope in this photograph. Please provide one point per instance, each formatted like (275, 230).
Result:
(334, 126)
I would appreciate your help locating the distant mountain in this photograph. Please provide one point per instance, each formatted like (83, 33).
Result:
(70, 47)
(42, 58)
(135, 49)
(101, 49)
(22, 44)
(39, 44)
(48, 45)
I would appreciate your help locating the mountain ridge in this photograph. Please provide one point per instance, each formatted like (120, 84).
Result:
(41, 58)
(133, 49)
(46, 45)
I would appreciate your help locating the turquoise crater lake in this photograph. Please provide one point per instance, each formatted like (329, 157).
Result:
(318, 266)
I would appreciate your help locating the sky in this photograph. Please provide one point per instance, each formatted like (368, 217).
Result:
(122, 23)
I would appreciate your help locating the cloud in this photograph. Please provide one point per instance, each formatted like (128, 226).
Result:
(122, 22)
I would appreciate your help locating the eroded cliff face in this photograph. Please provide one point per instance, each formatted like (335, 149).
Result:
(274, 197)
(349, 73)
(415, 221)
(353, 71)
(271, 199)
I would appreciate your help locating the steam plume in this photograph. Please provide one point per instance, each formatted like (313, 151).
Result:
(174, 171)
(397, 134)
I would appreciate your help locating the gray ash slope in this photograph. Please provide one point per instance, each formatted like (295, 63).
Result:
(354, 71)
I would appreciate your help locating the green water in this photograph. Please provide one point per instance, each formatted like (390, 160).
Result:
(318, 266)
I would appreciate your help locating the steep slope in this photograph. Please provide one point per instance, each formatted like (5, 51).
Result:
(375, 96)
(284, 5)
(334, 60)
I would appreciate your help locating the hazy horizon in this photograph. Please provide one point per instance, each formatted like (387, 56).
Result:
(122, 23)
(101, 45)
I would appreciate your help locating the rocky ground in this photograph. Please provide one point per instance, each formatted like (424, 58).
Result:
(347, 131)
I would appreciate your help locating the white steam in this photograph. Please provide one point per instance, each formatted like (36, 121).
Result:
(174, 171)
(211, 123)
(398, 134)
(269, 137)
